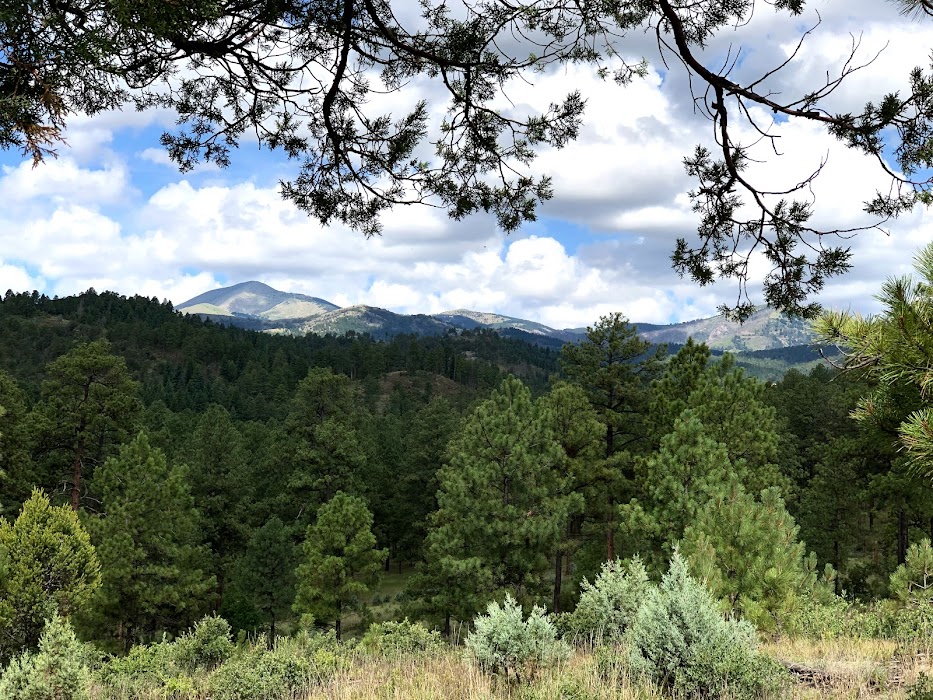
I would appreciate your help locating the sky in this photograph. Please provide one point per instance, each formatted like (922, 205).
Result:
(111, 212)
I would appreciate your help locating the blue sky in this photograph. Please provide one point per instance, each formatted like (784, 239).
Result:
(112, 213)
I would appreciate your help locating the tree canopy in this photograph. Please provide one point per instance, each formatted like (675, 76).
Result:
(302, 78)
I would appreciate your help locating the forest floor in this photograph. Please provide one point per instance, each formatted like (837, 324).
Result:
(820, 669)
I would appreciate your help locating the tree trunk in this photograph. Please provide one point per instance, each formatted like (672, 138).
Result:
(272, 630)
(836, 566)
(76, 479)
(557, 579)
(902, 536)
(337, 627)
(447, 626)
(611, 531)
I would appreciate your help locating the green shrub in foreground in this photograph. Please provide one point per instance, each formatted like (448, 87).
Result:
(503, 642)
(394, 639)
(680, 640)
(206, 646)
(56, 672)
(608, 605)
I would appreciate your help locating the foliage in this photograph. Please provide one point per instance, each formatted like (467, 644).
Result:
(680, 640)
(505, 642)
(264, 575)
(340, 564)
(395, 639)
(912, 581)
(893, 350)
(747, 552)
(206, 646)
(56, 672)
(153, 567)
(673, 485)
(608, 606)
(502, 507)
(89, 406)
(50, 568)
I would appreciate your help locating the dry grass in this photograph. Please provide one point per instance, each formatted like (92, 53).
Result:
(849, 668)
(450, 676)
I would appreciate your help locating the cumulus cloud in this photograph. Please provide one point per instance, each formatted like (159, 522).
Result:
(603, 244)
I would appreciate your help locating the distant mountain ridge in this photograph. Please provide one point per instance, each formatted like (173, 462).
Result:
(260, 307)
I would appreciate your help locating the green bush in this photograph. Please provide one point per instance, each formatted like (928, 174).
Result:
(608, 605)
(292, 667)
(56, 672)
(205, 647)
(680, 640)
(921, 689)
(503, 642)
(394, 639)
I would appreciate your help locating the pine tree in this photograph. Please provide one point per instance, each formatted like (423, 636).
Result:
(340, 564)
(264, 576)
(148, 539)
(748, 553)
(17, 474)
(502, 503)
(328, 450)
(89, 406)
(615, 368)
(48, 567)
(218, 466)
(674, 484)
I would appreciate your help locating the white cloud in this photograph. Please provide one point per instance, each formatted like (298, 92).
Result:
(80, 221)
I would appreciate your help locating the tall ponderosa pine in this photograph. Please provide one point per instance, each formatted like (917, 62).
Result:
(263, 577)
(579, 433)
(340, 564)
(218, 461)
(89, 406)
(16, 466)
(328, 451)
(615, 367)
(689, 469)
(503, 505)
(148, 537)
(47, 566)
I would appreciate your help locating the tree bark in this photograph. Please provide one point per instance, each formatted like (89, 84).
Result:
(558, 570)
(902, 536)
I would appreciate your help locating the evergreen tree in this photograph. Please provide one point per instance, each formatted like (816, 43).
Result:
(48, 567)
(747, 552)
(502, 505)
(264, 576)
(674, 484)
(615, 367)
(340, 564)
(89, 406)
(328, 450)
(57, 672)
(578, 431)
(893, 350)
(148, 539)
(218, 466)
(17, 473)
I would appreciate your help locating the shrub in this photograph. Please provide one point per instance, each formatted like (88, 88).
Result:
(394, 639)
(56, 672)
(290, 668)
(680, 640)
(503, 642)
(921, 689)
(207, 646)
(608, 605)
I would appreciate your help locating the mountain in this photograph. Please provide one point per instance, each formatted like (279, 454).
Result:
(256, 300)
(766, 329)
(379, 323)
(464, 318)
(257, 306)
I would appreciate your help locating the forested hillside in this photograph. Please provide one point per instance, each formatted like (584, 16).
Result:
(157, 468)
